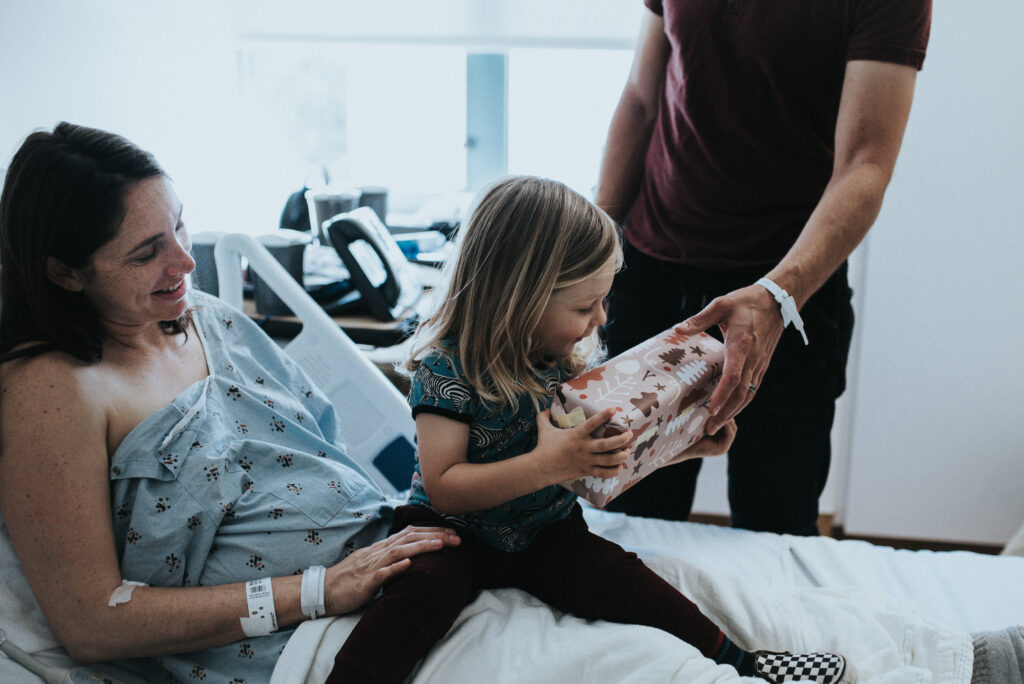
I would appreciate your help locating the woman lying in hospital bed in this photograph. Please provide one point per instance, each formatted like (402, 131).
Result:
(215, 454)
(147, 439)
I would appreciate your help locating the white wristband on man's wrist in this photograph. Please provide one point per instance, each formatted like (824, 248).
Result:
(787, 305)
(311, 594)
(262, 618)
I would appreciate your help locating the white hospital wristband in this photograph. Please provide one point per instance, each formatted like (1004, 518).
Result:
(311, 594)
(262, 619)
(787, 304)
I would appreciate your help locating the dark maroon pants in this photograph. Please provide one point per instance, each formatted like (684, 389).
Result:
(566, 566)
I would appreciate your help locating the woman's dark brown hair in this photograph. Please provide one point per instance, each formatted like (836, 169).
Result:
(63, 197)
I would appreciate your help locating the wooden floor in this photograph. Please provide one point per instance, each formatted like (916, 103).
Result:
(827, 528)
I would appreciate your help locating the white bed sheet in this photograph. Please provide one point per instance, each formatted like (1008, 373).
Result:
(900, 616)
(975, 592)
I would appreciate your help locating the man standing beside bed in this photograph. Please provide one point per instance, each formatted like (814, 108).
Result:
(748, 156)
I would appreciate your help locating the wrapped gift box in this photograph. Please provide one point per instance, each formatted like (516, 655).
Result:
(660, 390)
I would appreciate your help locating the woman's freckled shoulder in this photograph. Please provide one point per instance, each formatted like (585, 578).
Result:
(39, 393)
(41, 378)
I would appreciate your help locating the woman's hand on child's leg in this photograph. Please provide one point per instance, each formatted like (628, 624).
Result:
(357, 578)
(569, 453)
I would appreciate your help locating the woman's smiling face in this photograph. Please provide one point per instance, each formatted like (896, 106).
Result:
(139, 277)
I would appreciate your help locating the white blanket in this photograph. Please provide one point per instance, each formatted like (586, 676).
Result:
(899, 616)
(759, 588)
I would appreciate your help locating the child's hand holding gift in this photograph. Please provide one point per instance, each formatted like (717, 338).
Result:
(567, 454)
(659, 391)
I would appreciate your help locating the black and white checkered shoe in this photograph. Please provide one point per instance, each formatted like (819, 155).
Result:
(824, 668)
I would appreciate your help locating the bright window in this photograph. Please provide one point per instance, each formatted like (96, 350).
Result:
(370, 113)
(560, 104)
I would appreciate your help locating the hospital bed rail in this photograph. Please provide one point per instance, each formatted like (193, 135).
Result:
(377, 426)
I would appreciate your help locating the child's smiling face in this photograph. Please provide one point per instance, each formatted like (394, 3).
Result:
(573, 312)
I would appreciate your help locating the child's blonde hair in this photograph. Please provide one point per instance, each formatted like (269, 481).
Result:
(526, 238)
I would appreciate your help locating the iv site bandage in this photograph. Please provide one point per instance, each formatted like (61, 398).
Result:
(262, 619)
(123, 593)
(787, 304)
(311, 594)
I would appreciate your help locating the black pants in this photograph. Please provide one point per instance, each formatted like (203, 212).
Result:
(566, 566)
(779, 462)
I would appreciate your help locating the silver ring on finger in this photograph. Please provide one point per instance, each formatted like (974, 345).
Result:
(752, 388)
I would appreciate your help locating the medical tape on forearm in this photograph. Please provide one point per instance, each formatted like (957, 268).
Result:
(123, 594)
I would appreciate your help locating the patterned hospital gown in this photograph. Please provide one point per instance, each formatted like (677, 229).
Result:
(239, 478)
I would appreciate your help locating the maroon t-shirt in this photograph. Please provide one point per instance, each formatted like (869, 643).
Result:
(743, 144)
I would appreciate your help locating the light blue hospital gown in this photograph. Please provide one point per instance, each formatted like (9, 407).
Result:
(239, 478)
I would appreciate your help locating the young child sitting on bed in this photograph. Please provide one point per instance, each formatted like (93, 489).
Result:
(535, 265)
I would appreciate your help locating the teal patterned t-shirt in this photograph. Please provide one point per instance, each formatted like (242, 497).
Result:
(495, 433)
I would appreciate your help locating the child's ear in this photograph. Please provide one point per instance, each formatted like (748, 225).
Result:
(63, 275)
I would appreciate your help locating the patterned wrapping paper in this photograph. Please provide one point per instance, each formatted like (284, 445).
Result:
(660, 389)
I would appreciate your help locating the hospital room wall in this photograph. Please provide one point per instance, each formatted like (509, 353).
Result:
(929, 437)
(164, 74)
(938, 423)
(178, 77)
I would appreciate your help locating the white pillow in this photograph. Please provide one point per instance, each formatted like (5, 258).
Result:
(25, 627)
(21, 619)
(20, 615)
